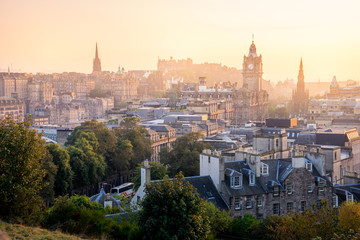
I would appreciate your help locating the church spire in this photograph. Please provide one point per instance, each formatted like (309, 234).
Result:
(301, 82)
(96, 62)
(96, 52)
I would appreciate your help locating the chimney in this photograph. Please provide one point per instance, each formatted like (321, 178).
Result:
(145, 173)
(298, 162)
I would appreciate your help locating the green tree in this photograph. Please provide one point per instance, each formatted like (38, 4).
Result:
(21, 170)
(174, 210)
(105, 137)
(241, 226)
(88, 166)
(157, 171)
(220, 220)
(130, 130)
(64, 175)
(185, 155)
(51, 170)
(100, 93)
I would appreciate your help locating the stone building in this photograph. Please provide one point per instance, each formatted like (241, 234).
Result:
(13, 83)
(12, 107)
(251, 101)
(300, 96)
(262, 188)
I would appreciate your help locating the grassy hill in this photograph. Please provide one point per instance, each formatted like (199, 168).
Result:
(17, 231)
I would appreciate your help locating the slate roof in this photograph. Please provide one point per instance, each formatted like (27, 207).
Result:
(340, 191)
(102, 196)
(207, 190)
(278, 171)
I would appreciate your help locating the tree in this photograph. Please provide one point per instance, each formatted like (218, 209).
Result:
(131, 131)
(51, 169)
(349, 217)
(241, 226)
(100, 93)
(64, 175)
(157, 171)
(185, 155)
(220, 220)
(174, 210)
(21, 170)
(88, 166)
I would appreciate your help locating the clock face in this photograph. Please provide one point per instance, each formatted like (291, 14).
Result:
(250, 66)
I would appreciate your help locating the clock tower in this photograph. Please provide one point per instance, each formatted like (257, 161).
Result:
(252, 70)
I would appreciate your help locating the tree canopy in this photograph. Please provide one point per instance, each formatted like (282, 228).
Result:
(157, 171)
(21, 169)
(174, 210)
(64, 175)
(185, 155)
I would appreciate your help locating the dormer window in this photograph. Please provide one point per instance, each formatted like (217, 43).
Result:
(252, 179)
(349, 197)
(264, 168)
(236, 181)
(309, 166)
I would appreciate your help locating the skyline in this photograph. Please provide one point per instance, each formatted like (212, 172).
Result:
(43, 36)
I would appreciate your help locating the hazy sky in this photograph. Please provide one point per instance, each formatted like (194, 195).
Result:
(60, 35)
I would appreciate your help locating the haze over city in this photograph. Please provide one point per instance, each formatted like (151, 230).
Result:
(60, 36)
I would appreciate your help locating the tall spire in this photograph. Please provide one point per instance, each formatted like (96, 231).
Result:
(96, 62)
(301, 82)
(253, 38)
(96, 52)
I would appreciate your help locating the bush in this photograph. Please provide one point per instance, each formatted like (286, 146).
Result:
(78, 215)
(241, 226)
(220, 220)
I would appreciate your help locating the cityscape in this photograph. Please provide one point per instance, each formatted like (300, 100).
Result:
(186, 138)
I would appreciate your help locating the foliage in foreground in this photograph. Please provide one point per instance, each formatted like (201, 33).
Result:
(174, 210)
(17, 231)
(21, 171)
(78, 215)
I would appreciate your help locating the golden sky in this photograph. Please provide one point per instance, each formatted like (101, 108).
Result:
(60, 35)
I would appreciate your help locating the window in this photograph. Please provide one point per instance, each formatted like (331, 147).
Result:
(303, 206)
(309, 187)
(276, 191)
(289, 188)
(349, 197)
(252, 179)
(309, 166)
(264, 169)
(335, 157)
(236, 181)
(335, 200)
(321, 186)
(209, 159)
(277, 143)
(290, 206)
(259, 201)
(276, 208)
(248, 202)
(237, 204)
